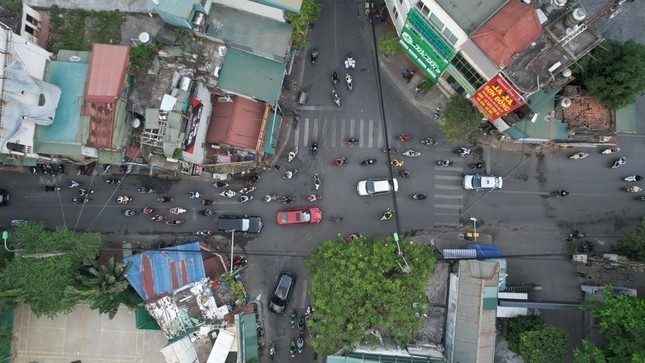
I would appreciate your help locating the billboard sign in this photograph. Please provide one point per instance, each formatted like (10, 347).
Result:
(497, 98)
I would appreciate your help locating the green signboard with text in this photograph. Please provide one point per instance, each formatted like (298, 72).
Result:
(420, 51)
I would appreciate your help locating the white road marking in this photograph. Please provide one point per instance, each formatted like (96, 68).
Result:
(450, 187)
(448, 206)
(448, 177)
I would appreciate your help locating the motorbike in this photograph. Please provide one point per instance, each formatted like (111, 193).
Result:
(228, 193)
(245, 198)
(618, 163)
(334, 79)
(302, 324)
(341, 161)
(252, 179)
(314, 56)
(177, 210)
(611, 150)
(437, 113)
(335, 219)
(289, 174)
(270, 198)
(144, 189)
(174, 222)
(317, 181)
(49, 188)
(288, 199)
(85, 192)
(411, 153)
(633, 189)
(397, 163)
(272, 350)
(292, 154)
(205, 232)
(314, 197)
(428, 141)
(300, 343)
(368, 162)
(80, 200)
(207, 202)
(335, 97)
(404, 137)
(387, 215)
(157, 218)
(296, 120)
(560, 193)
(220, 184)
(419, 196)
(292, 348)
(147, 210)
(124, 199)
(444, 162)
(349, 61)
(462, 151)
(403, 173)
(293, 319)
(348, 81)
(129, 212)
(353, 236)
(314, 146)
(391, 150)
(477, 165)
(578, 156)
(193, 195)
(74, 184)
(207, 212)
(640, 198)
(164, 199)
(247, 190)
(351, 140)
(631, 178)
(112, 181)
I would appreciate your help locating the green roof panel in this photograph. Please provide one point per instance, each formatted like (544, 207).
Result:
(252, 76)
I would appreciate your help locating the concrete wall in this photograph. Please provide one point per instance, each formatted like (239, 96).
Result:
(128, 6)
(253, 7)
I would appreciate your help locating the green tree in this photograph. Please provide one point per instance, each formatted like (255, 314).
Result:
(620, 319)
(545, 344)
(461, 120)
(104, 288)
(514, 327)
(361, 293)
(633, 245)
(309, 12)
(389, 44)
(40, 282)
(614, 72)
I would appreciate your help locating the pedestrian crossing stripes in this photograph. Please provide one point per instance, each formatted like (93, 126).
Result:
(332, 132)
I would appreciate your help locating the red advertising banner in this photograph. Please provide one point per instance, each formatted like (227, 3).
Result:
(496, 98)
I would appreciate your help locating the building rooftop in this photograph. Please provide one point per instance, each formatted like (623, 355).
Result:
(508, 32)
(236, 123)
(471, 14)
(243, 30)
(286, 5)
(252, 76)
(108, 65)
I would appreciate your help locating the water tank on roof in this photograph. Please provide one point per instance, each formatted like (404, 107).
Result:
(198, 20)
(555, 5)
(185, 83)
(565, 102)
(145, 38)
(566, 73)
(136, 123)
(575, 17)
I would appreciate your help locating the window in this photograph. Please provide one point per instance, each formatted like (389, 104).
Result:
(424, 9)
(471, 75)
(451, 38)
(30, 19)
(438, 24)
(29, 29)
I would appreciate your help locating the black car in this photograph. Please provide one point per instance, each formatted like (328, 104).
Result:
(245, 224)
(4, 197)
(282, 292)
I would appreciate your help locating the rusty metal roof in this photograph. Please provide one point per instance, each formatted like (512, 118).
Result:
(236, 123)
(107, 72)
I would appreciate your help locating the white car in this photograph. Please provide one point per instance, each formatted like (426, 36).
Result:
(377, 186)
(482, 182)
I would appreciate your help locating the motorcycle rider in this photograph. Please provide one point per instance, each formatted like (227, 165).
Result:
(387, 215)
(207, 202)
(164, 199)
(397, 163)
(462, 151)
(85, 192)
(403, 173)
(314, 55)
(245, 198)
(74, 184)
(288, 199)
(290, 173)
(334, 79)
(49, 188)
(419, 196)
(314, 146)
(157, 218)
(341, 161)
(351, 140)
(478, 165)
(368, 162)
(444, 162)
(561, 193)
(348, 80)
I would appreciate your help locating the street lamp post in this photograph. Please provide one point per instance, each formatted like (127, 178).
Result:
(232, 248)
(474, 227)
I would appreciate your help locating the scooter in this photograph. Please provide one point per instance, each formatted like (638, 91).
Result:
(164, 199)
(272, 350)
(49, 188)
(147, 210)
(228, 193)
(293, 319)
(437, 113)
(633, 189)
(348, 81)
(368, 162)
(334, 79)
(317, 181)
(206, 212)
(270, 198)
(335, 98)
(633, 178)
(80, 200)
(112, 181)
(419, 196)
(428, 141)
(247, 190)
(157, 218)
(289, 174)
(193, 195)
(205, 232)
(174, 222)
(245, 198)
(462, 151)
(404, 137)
(300, 343)
(444, 162)
(314, 197)
(618, 163)
(292, 154)
(411, 153)
(340, 162)
(144, 189)
(314, 146)
(390, 150)
(351, 140)
(288, 199)
(578, 156)
(396, 163)
(177, 210)
(387, 215)
(611, 150)
(403, 173)
(124, 199)
(314, 56)
(129, 212)
(560, 193)
(293, 349)
(477, 165)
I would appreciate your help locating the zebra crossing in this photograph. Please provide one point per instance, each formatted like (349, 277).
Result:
(332, 132)
(448, 195)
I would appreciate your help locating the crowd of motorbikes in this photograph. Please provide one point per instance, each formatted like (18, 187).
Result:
(296, 345)
(349, 63)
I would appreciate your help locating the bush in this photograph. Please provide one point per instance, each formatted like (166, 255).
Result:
(461, 120)
(389, 44)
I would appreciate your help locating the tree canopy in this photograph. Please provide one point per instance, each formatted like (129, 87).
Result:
(614, 72)
(361, 293)
(620, 319)
(41, 281)
(461, 120)
(633, 245)
(309, 12)
(530, 337)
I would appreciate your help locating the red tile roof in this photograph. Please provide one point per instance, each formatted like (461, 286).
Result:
(587, 112)
(509, 31)
(236, 123)
(107, 72)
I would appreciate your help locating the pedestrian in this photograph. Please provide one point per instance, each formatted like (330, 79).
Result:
(404, 72)
(277, 167)
(408, 78)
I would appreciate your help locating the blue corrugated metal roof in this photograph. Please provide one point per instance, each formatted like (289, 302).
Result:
(157, 273)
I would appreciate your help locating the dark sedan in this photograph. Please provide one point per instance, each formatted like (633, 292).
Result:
(282, 292)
